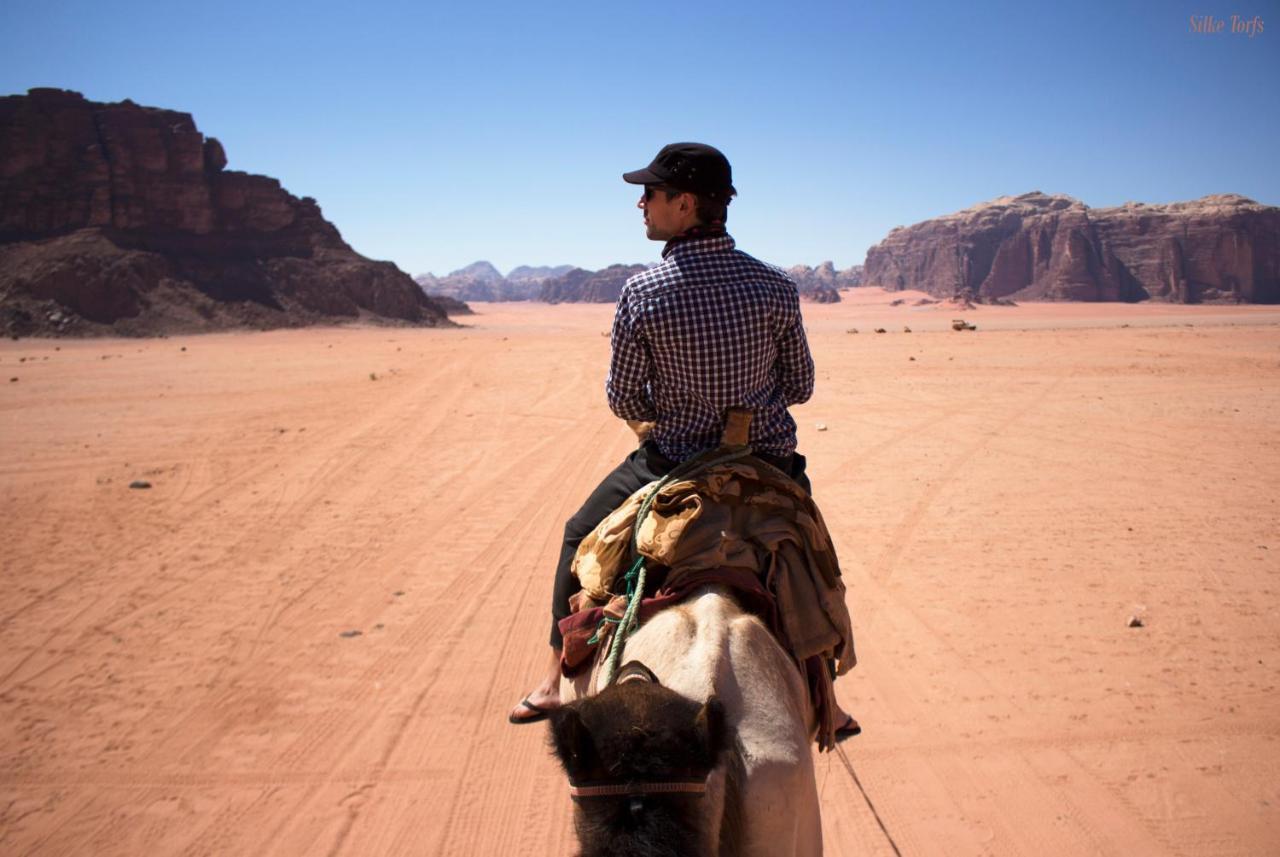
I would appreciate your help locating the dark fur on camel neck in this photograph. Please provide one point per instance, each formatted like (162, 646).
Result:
(639, 731)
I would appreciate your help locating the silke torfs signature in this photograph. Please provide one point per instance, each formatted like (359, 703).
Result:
(1241, 26)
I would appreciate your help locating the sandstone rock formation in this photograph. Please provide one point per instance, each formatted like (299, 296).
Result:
(581, 286)
(116, 218)
(822, 284)
(1040, 247)
(480, 281)
(451, 306)
(537, 274)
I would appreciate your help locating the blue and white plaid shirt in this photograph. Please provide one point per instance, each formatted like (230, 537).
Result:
(708, 329)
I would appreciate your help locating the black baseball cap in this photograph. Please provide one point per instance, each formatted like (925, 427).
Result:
(694, 167)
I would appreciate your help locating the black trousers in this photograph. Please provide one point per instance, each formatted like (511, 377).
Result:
(637, 470)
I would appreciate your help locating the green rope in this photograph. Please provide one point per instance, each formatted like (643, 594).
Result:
(635, 576)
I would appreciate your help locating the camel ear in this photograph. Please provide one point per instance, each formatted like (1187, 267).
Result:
(711, 730)
(571, 740)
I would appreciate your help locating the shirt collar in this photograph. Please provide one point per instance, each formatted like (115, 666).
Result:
(709, 244)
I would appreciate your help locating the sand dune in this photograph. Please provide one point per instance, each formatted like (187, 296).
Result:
(178, 672)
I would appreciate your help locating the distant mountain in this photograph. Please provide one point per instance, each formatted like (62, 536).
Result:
(822, 284)
(524, 273)
(480, 272)
(582, 286)
(480, 281)
(1051, 247)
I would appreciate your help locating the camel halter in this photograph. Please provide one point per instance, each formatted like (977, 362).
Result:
(693, 787)
(636, 671)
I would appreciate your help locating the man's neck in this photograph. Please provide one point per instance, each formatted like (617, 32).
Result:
(698, 230)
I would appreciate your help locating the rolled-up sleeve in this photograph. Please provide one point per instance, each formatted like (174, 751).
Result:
(630, 367)
(795, 363)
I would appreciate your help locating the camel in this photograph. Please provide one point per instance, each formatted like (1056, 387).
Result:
(701, 746)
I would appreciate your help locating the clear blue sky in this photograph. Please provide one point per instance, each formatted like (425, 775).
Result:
(437, 134)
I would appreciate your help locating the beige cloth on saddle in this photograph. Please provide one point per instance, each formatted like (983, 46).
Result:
(741, 514)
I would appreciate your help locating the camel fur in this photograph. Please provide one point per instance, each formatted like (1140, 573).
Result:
(730, 702)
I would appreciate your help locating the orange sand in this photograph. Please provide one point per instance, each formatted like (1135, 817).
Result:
(173, 679)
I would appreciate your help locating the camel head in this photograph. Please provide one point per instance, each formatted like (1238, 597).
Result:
(615, 746)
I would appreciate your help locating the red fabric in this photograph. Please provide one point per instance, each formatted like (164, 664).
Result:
(580, 627)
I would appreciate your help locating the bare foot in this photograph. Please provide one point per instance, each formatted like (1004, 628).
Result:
(543, 698)
(534, 707)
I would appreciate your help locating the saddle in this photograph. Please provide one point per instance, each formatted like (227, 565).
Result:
(740, 523)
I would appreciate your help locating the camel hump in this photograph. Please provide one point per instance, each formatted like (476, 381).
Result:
(737, 427)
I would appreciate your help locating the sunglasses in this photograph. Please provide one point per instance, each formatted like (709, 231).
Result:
(651, 189)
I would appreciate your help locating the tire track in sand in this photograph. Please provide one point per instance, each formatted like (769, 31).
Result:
(884, 566)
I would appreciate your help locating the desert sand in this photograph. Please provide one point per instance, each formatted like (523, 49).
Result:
(304, 637)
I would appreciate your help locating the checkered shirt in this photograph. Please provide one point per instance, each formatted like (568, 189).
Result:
(707, 329)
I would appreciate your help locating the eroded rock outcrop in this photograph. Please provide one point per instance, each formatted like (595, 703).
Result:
(822, 284)
(536, 274)
(452, 306)
(1040, 247)
(582, 286)
(117, 218)
(480, 281)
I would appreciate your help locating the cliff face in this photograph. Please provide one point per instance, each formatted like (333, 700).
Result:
(480, 281)
(536, 274)
(822, 284)
(582, 286)
(1040, 247)
(116, 218)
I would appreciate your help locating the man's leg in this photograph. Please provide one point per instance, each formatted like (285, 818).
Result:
(637, 470)
(846, 725)
(797, 470)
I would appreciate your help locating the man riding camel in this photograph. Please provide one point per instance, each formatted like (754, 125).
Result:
(707, 329)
